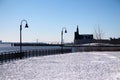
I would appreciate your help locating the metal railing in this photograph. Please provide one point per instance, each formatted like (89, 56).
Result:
(15, 55)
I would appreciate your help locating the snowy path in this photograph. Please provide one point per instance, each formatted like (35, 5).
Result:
(73, 66)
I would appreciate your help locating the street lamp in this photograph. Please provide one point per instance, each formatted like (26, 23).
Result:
(62, 34)
(26, 26)
(62, 42)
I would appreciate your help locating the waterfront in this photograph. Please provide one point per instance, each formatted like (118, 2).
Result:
(17, 48)
(71, 66)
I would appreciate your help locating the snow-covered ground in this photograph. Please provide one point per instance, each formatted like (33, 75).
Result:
(72, 66)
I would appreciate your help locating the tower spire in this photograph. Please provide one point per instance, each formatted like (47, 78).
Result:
(77, 29)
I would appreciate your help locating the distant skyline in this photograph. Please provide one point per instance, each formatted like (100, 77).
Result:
(47, 17)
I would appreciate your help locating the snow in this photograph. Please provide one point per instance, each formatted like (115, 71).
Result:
(71, 66)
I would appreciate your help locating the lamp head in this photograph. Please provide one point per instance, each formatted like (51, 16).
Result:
(26, 26)
(65, 31)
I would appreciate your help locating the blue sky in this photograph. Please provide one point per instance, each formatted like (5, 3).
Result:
(47, 17)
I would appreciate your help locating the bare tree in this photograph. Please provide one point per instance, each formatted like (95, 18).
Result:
(98, 33)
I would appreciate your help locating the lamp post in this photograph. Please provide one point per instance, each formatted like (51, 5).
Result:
(26, 26)
(62, 42)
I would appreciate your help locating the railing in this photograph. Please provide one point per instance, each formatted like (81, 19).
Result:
(15, 55)
(42, 51)
(95, 48)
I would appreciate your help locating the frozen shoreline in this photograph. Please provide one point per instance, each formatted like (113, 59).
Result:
(72, 66)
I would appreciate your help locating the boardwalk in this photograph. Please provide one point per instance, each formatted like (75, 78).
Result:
(72, 66)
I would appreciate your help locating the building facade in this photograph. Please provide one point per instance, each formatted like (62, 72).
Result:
(82, 38)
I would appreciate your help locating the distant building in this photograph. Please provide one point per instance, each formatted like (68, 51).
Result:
(82, 38)
(114, 40)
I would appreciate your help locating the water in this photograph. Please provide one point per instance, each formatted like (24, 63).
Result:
(8, 49)
(72, 66)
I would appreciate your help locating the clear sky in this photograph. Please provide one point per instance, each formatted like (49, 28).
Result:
(47, 17)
